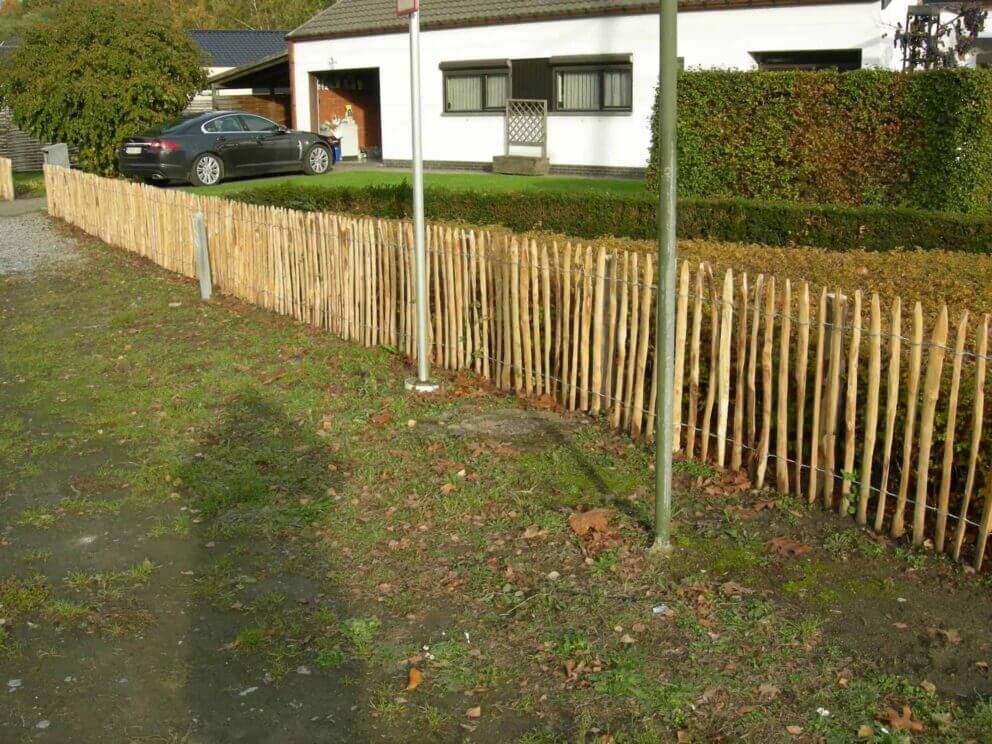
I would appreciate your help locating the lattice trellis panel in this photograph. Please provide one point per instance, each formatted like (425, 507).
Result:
(527, 124)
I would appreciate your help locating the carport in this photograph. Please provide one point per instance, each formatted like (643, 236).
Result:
(260, 87)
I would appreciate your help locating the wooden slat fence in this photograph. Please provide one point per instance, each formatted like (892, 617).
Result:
(864, 407)
(6, 179)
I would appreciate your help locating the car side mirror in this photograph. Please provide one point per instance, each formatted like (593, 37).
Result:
(283, 130)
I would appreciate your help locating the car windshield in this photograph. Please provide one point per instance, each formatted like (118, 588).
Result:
(172, 125)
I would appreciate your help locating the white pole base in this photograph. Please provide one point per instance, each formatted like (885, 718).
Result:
(414, 385)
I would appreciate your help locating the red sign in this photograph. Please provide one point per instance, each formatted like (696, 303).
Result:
(406, 7)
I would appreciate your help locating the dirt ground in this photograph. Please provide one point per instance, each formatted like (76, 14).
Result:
(219, 526)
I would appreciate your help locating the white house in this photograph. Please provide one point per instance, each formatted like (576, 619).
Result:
(594, 61)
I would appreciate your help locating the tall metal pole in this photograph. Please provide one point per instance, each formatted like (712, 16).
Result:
(665, 311)
(423, 369)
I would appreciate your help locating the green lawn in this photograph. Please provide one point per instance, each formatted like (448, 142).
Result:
(29, 184)
(456, 181)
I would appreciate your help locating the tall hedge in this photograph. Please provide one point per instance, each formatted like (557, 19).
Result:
(868, 137)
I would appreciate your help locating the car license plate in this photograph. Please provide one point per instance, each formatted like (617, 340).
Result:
(132, 150)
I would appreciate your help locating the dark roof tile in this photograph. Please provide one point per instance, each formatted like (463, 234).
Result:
(232, 48)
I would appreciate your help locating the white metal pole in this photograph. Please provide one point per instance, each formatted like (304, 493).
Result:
(665, 323)
(423, 369)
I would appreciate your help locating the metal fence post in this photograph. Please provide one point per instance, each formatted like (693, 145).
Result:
(202, 256)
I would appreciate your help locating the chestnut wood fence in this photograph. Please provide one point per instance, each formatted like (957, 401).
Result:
(6, 179)
(871, 410)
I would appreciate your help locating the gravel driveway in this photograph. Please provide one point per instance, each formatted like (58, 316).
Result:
(29, 240)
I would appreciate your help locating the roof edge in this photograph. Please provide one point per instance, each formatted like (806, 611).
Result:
(647, 8)
(245, 69)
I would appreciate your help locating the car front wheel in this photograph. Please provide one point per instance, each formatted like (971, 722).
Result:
(207, 170)
(318, 160)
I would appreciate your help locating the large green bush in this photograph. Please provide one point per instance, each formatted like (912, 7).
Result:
(868, 137)
(596, 214)
(97, 72)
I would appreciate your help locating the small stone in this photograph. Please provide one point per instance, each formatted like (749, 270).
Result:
(554, 576)
(43, 724)
(248, 691)
(303, 670)
(13, 684)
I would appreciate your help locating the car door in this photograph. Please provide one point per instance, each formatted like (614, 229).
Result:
(227, 137)
(277, 147)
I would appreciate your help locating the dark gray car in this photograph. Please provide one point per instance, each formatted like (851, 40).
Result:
(204, 149)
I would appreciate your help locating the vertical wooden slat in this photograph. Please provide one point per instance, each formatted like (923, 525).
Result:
(711, 378)
(737, 452)
(632, 339)
(697, 321)
(947, 464)
(829, 435)
(814, 435)
(802, 369)
(726, 333)
(977, 421)
(598, 343)
(620, 390)
(766, 385)
(522, 306)
(565, 272)
(851, 404)
(681, 323)
(546, 287)
(931, 393)
(782, 423)
(643, 343)
(916, 358)
(891, 408)
(871, 416)
(752, 372)
(587, 311)
(535, 317)
(578, 308)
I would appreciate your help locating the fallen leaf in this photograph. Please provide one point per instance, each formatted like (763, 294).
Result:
(903, 721)
(794, 730)
(277, 376)
(594, 520)
(768, 691)
(447, 488)
(627, 639)
(866, 732)
(534, 531)
(787, 547)
(382, 418)
(928, 686)
(413, 679)
(475, 712)
(733, 589)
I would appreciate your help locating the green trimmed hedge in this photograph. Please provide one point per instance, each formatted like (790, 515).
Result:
(593, 215)
(867, 137)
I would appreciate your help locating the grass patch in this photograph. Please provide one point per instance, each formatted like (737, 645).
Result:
(487, 182)
(29, 184)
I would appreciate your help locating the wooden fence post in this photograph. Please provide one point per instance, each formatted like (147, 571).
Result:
(202, 256)
(6, 179)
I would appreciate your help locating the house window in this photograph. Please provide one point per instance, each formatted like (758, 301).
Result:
(594, 89)
(475, 91)
(823, 59)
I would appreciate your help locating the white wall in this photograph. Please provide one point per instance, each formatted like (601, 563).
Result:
(711, 39)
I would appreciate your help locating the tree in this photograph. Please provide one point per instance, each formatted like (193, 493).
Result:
(940, 34)
(98, 72)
